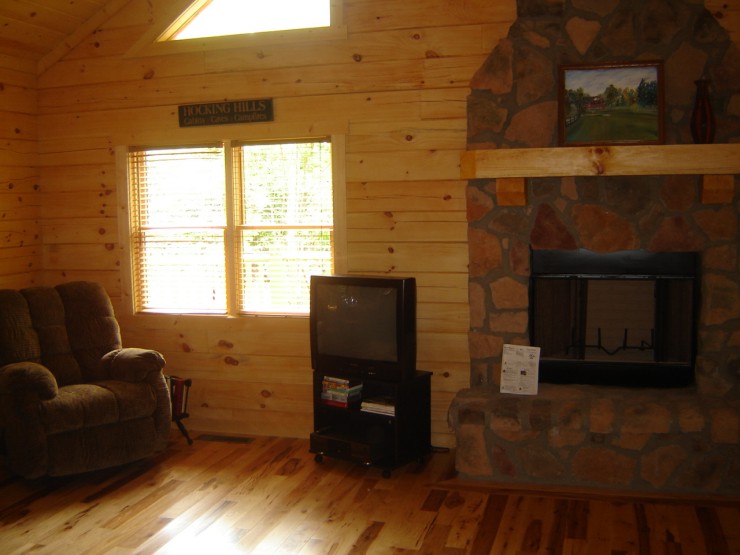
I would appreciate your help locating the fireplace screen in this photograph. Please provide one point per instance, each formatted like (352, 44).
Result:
(624, 318)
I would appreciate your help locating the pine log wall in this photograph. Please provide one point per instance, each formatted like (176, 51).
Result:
(20, 208)
(395, 86)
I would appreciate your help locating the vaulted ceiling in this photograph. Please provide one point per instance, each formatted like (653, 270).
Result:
(34, 28)
(40, 31)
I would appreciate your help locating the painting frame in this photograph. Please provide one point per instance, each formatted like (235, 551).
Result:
(611, 104)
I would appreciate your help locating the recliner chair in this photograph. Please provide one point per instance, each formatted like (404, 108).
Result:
(72, 399)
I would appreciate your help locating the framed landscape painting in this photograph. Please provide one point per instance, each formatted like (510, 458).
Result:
(611, 104)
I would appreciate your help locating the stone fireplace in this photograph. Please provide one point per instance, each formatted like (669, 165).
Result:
(682, 440)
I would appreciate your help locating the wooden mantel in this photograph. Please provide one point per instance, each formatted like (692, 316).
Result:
(601, 160)
(717, 162)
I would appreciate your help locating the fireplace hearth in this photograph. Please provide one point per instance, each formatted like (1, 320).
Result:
(624, 318)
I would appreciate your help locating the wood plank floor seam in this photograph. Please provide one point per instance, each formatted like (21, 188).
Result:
(268, 495)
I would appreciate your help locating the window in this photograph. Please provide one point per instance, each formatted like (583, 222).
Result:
(214, 18)
(230, 228)
(203, 27)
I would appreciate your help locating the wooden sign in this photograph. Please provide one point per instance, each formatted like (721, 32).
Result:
(222, 113)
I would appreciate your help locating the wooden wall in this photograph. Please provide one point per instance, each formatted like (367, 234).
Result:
(395, 85)
(728, 15)
(20, 232)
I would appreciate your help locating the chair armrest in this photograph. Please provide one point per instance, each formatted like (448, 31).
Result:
(24, 381)
(132, 364)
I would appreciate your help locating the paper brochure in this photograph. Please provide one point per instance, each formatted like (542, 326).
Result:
(520, 369)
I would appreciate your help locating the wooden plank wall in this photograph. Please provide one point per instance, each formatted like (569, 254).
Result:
(20, 231)
(728, 15)
(395, 86)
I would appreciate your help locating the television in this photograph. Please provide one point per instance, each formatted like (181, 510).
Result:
(363, 326)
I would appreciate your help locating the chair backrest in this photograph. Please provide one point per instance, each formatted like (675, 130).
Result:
(48, 319)
(91, 325)
(19, 341)
(67, 328)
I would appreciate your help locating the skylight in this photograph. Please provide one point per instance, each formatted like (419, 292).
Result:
(236, 17)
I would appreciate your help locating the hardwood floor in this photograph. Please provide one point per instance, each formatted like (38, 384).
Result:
(269, 496)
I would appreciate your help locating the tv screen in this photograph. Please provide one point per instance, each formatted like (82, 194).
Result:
(363, 325)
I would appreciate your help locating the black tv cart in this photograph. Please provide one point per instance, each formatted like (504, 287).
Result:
(386, 441)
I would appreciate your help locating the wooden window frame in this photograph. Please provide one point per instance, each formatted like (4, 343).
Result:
(125, 211)
(166, 15)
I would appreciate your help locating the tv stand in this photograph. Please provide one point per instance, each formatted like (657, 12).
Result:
(354, 433)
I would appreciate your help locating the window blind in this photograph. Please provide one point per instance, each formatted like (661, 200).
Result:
(207, 240)
(179, 226)
(285, 218)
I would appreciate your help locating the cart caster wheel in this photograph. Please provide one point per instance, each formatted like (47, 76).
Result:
(319, 458)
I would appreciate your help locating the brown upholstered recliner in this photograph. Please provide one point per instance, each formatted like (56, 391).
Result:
(71, 399)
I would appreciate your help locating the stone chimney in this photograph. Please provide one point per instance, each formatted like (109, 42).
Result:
(687, 440)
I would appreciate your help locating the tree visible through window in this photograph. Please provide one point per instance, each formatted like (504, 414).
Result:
(285, 232)
(213, 18)
(209, 238)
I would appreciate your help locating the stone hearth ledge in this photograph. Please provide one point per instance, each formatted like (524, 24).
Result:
(630, 440)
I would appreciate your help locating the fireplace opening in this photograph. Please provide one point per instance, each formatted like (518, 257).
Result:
(626, 318)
